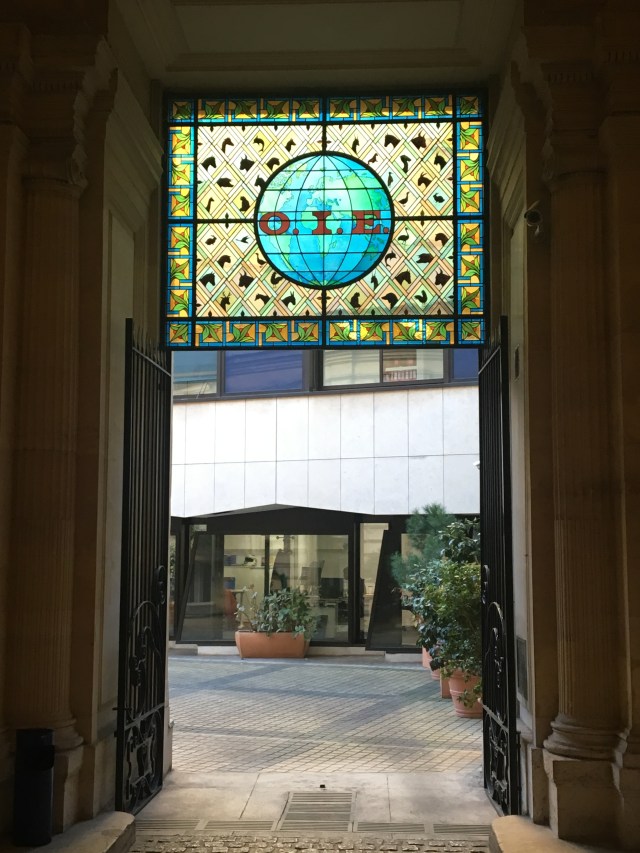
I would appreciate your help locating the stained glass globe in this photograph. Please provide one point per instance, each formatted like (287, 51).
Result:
(324, 220)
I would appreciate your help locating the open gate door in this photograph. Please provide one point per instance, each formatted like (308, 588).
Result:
(143, 594)
(500, 736)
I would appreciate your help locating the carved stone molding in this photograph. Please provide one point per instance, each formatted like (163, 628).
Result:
(60, 99)
(566, 154)
(577, 740)
(16, 70)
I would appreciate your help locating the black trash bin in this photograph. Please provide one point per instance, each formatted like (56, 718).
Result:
(33, 787)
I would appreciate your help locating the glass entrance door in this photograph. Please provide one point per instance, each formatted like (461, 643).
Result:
(317, 564)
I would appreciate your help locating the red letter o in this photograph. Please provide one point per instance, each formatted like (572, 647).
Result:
(267, 228)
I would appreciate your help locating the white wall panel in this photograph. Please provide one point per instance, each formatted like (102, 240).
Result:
(260, 445)
(460, 408)
(324, 483)
(324, 427)
(229, 486)
(292, 483)
(230, 431)
(292, 428)
(198, 489)
(391, 424)
(356, 485)
(391, 483)
(177, 490)
(461, 484)
(362, 452)
(178, 421)
(426, 481)
(259, 483)
(200, 434)
(356, 426)
(425, 422)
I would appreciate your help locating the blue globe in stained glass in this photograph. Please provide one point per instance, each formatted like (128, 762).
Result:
(324, 220)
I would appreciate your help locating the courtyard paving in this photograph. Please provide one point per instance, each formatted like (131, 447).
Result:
(312, 715)
(315, 755)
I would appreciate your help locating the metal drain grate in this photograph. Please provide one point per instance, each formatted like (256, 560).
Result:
(370, 826)
(462, 830)
(319, 812)
(180, 827)
(168, 827)
(239, 826)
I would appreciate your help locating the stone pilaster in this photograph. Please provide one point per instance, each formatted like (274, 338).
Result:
(44, 515)
(584, 486)
(580, 750)
(14, 76)
(618, 135)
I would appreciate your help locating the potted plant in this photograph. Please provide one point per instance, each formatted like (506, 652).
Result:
(280, 626)
(441, 586)
(417, 573)
(456, 604)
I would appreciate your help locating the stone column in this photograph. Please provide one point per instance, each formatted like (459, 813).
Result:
(585, 487)
(618, 133)
(44, 511)
(14, 72)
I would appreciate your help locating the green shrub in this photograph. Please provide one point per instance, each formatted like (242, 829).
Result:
(282, 611)
(441, 586)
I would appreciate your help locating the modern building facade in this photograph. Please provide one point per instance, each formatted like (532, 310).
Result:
(364, 441)
(80, 93)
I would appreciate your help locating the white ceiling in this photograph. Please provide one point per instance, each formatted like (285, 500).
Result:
(234, 45)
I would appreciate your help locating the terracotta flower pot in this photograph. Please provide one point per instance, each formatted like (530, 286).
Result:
(458, 683)
(444, 686)
(426, 663)
(253, 644)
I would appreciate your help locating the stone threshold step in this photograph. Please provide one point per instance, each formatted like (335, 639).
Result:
(107, 833)
(514, 834)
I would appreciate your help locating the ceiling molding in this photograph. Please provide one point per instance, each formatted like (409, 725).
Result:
(305, 60)
(213, 3)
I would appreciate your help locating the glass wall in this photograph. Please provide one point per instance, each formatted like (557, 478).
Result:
(226, 571)
(319, 565)
(384, 622)
(343, 562)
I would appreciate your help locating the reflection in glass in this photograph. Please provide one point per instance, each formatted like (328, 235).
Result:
(195, 373)
(223, 572)
(412, 365)
(346, 367)
(385, 624)
(319, 565)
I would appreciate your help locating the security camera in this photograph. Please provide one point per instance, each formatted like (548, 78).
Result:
(533, 218)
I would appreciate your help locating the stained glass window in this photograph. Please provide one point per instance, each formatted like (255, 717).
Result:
(325, 222)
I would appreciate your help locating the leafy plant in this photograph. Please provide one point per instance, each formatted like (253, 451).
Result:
(424, 529)
(284, 610)
(456, 607)
(441, 586)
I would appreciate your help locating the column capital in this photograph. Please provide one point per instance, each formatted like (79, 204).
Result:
(66, 85)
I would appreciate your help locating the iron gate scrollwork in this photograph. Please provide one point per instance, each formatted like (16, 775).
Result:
(143, 594)
(500, 737)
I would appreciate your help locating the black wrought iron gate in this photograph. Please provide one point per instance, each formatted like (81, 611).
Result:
(143, 595)
(500, 737)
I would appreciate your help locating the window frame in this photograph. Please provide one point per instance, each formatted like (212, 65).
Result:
(312, 379)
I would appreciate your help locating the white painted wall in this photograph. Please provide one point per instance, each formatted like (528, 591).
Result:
(372, 452)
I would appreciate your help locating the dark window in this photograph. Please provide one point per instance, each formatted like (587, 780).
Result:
(465, 364)
(260, 372)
